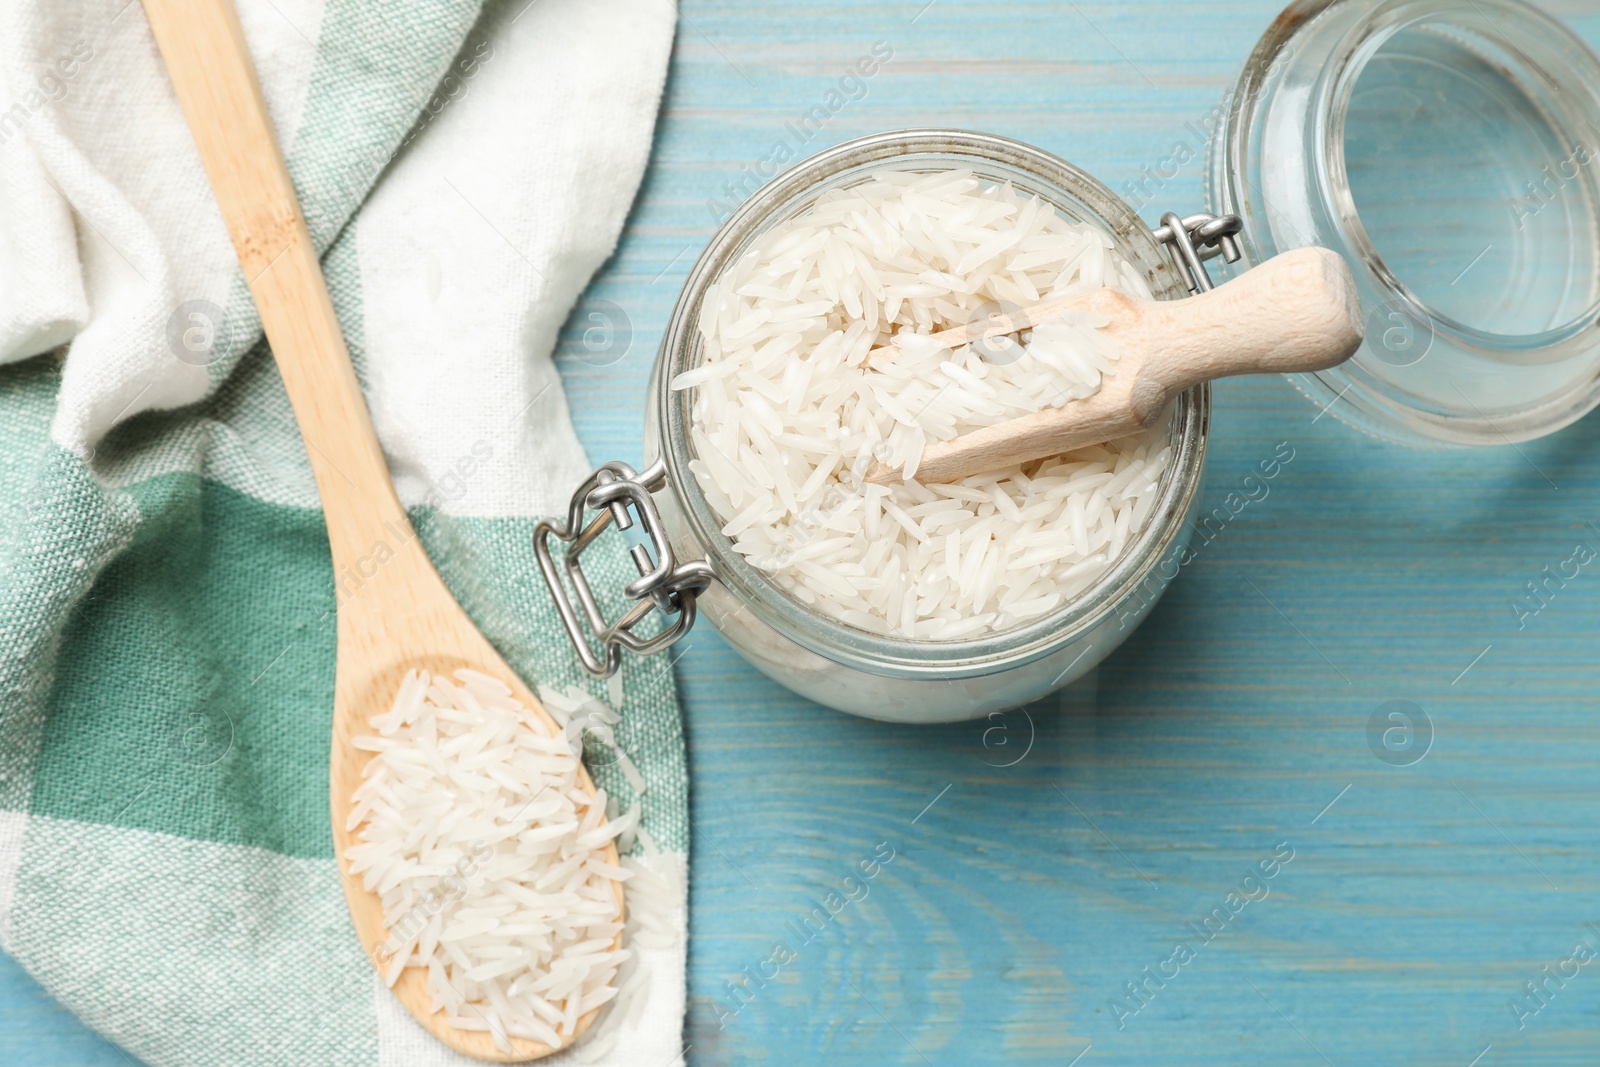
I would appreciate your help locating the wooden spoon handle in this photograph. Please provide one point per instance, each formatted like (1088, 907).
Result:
(215, 81)
(1297, 312)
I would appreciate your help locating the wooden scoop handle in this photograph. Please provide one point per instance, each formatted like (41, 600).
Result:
(1297, 312)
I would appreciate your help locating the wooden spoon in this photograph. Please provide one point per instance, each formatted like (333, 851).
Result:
(395, 613)
(1298, 311)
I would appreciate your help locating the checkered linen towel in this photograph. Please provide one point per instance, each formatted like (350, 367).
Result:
(166, 609)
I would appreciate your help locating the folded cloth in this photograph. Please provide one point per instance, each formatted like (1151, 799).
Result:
(166, 614)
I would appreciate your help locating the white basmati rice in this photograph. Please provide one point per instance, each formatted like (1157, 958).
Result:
(490, 858)
(788, 417)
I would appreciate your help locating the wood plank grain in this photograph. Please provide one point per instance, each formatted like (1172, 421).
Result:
(1021, 903)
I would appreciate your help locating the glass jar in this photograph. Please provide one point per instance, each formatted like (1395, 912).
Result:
(1447, 149)
(817, 656)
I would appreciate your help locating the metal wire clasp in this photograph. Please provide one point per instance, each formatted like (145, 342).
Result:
(663, 584)
(1197, 238)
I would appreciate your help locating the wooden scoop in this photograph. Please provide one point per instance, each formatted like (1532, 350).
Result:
(1298, 311)
(395, 613)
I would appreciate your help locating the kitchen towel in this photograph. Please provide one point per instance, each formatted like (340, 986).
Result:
(166, 611)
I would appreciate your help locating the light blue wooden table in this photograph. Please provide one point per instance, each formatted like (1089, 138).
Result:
(1044, 860)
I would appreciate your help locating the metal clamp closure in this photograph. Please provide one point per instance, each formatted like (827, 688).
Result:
(1197, 238)
(615, 494)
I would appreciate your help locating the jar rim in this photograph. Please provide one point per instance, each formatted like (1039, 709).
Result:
(1164, 533)
(1374, 402)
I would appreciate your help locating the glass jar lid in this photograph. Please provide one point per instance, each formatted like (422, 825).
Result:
(1448, 149)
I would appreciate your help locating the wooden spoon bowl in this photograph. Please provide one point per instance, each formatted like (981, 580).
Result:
(395, 612)
(422, 628)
